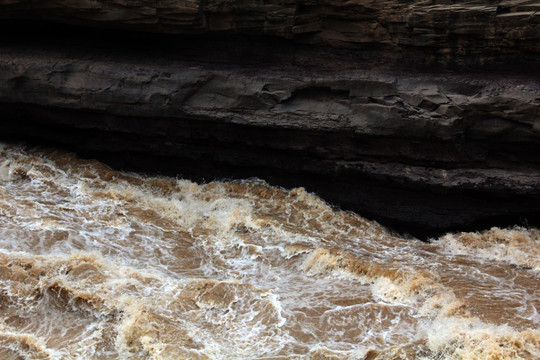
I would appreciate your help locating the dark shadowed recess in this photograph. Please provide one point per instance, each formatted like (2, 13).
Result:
(240, 49)
(258, 50)
(206, 150)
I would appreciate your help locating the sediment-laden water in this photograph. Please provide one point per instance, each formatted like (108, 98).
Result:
(99, 264)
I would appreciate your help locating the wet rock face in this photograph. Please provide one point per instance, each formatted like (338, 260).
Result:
(471, 32)
(354, 100)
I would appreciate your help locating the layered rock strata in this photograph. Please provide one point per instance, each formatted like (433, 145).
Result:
(340, 99)
(448, 29)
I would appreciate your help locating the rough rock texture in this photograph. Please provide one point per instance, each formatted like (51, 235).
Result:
(469, 31)
(400, 147)
(340, 99)
(494, 109)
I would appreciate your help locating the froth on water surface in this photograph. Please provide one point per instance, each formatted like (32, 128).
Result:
(100, 264)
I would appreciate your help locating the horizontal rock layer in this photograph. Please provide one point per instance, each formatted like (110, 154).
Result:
(424, 152)
(470, 32)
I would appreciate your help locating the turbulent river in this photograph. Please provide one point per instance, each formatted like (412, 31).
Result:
(100, 264)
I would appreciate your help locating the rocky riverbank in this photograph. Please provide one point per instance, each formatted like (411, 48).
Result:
(422, 115)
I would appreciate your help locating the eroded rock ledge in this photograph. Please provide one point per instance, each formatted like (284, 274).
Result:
(353, 100)
(433, 151)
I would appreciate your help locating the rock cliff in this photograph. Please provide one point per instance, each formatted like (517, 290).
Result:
(448, 30)
(424, 115)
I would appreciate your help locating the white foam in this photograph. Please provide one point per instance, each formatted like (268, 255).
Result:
(244, 270)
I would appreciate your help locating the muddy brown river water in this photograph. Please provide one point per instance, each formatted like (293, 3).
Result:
(100, 264)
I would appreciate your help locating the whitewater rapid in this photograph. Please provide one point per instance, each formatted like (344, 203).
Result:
(101, 264)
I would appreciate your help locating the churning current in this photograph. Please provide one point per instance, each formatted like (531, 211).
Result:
(100, 264)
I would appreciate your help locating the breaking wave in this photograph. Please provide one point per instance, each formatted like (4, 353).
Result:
(101, 264)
